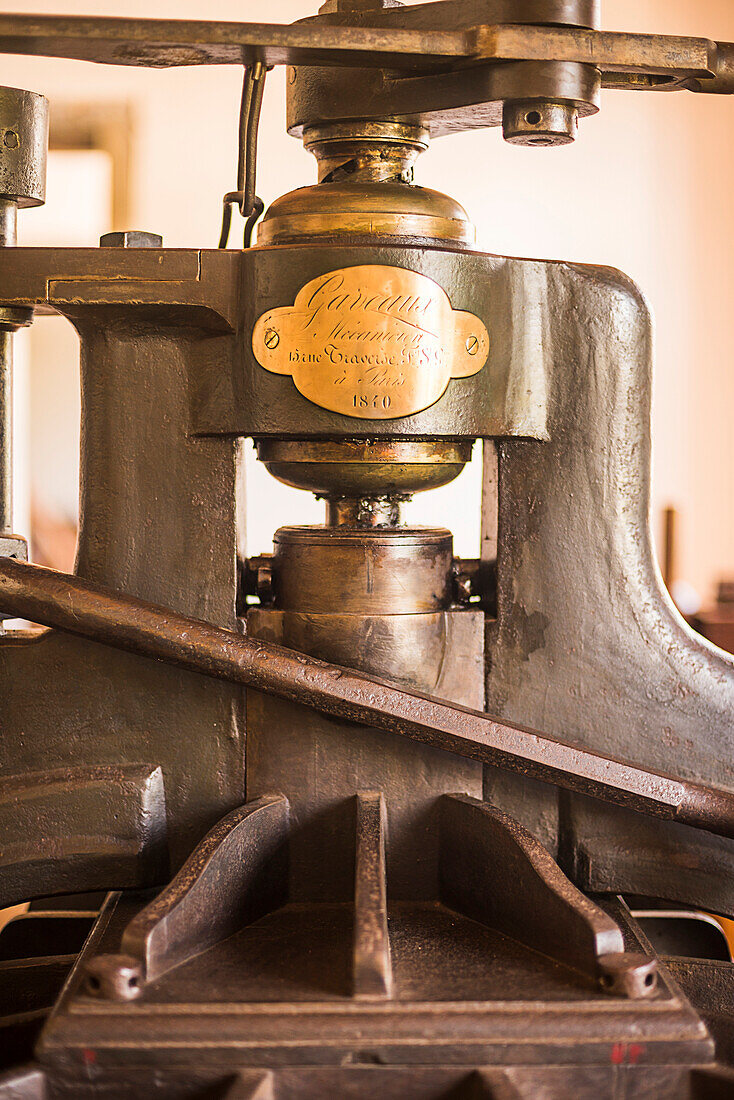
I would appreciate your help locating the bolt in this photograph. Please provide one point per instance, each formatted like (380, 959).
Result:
(271, 339)
(292, 75)
(131, 238)
(265, 592)
(11, 139)
(463, 576)
(472, 345)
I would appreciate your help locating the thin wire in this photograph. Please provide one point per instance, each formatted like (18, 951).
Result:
(245, 197)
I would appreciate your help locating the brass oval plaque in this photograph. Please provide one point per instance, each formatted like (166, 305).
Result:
(371, 341)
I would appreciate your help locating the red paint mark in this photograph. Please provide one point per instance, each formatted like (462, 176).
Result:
(623, 1054)
(89, 1057)
(618, 1054)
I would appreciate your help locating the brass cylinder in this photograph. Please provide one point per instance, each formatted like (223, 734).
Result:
(400, 571)
(23, 146)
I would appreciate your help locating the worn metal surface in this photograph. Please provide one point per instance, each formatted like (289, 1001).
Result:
(460, 1083)
(364, 480)
(160, 43)
(236, 874)
(23, 145)
(229, 392)
(710, 987)
(105, 825)
(586, 644)
(489, 862)
(506, 397)
(242, 972)
(23, 1084)
(374, 571)
(380, 603)
(489, 56)
(279, 994)
(158, 518)
(374, 152)
(372, 963)
(124, 622)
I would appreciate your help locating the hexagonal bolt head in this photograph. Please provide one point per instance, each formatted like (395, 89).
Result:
(265, 592)
(13, 546)
(330, 6)
(131, 238)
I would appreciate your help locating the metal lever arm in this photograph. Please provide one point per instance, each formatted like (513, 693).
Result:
(79, 607)
(632, 61)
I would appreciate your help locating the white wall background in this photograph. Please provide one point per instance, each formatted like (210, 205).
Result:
(647, 188)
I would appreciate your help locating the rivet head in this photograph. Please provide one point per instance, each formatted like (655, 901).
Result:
(472, 345)
(271, 339)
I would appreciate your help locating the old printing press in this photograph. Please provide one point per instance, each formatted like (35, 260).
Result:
(369, 820)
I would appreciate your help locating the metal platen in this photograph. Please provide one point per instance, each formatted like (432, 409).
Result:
(406, 865)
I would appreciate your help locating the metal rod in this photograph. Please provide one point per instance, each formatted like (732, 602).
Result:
(6, 432)
(79, 607)
(8, 238)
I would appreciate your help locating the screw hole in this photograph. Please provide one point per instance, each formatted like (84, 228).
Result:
(94, 983)
(133, 983)
(533, 118)
(649, 979)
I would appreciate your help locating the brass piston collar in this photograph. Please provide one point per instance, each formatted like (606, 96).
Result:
(366, 150)
(402, 571)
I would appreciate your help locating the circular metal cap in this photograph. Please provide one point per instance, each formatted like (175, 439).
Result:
(23, 146)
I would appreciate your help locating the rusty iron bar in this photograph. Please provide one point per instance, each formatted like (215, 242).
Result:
(79, 607)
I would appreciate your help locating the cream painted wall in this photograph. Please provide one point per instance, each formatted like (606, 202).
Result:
(646, 188)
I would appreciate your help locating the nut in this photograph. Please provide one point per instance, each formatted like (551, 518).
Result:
(114, 978)
(131, 238)
(628, 975)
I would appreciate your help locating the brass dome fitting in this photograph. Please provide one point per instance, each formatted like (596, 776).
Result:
(364, 190)
(357, 209)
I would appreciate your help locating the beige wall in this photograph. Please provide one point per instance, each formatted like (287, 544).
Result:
(647, 188)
